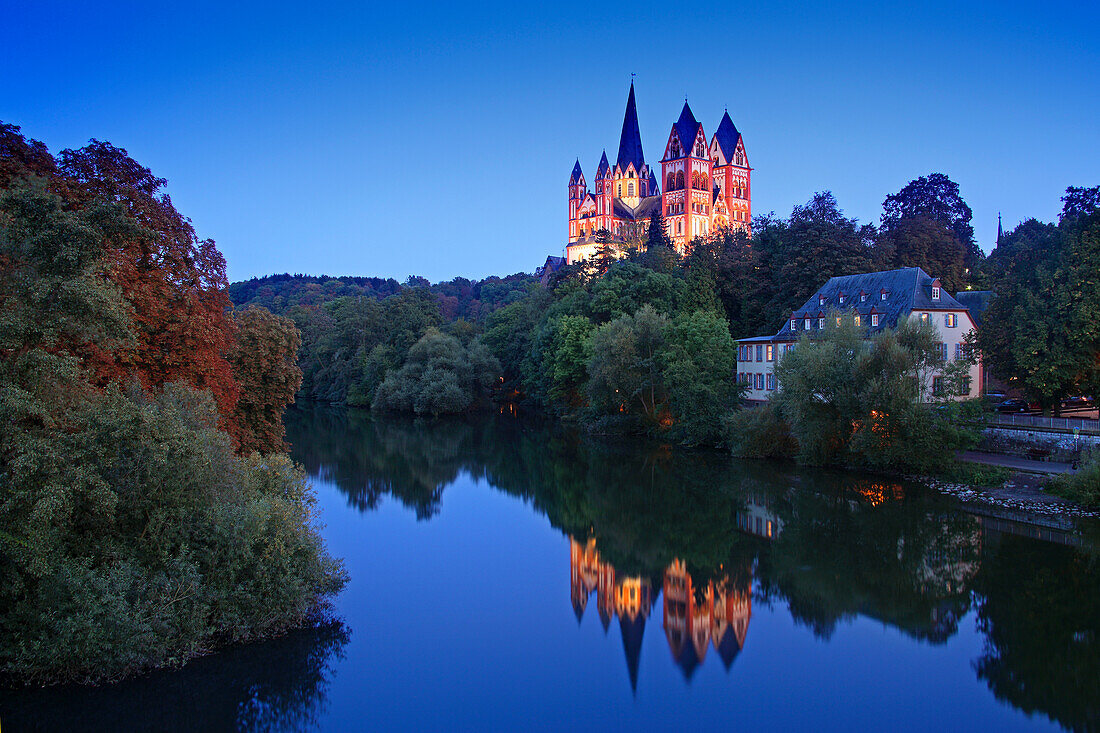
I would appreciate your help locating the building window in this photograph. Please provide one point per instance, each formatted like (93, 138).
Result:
(821, 300)
(806, 325)
(856, 319)
(771, 381)
(838, 320)
(964, 387)
(935, 292)
(630, 189)
(863, 297)
(937, 386)
(924, 317)
(951, 320)
(769, 353)
(759, 352)
(821, 323)
(882, 295)
(758, 381)
(842, 298)
(941, 351)
(794, 324)
(874, 319)
(620, 190)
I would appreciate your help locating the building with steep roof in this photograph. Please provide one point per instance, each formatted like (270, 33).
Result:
(706, 187)
(876, 301)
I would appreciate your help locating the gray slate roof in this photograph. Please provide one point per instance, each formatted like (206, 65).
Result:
(727, 137)
(686, 128)
(576, 176)
(604, 168)
(908, 289)
(630, 140)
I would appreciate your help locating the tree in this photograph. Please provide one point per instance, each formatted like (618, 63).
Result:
(925, 242)
(697, 368)
(174, 282)
(1041, 332)
(624, 369)
(848, 401)
(935, 196)
(439, 376)
(265, 365)
(1080, 201)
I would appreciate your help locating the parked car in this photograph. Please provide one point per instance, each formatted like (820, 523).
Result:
(1015, 405)
(1074, 403)
(993, 399)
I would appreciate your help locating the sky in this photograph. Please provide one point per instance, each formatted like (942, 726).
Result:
(437, 139)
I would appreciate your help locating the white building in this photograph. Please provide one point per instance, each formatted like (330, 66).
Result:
(878, 300)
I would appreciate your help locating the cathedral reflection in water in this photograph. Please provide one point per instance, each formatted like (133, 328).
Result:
(694, 617)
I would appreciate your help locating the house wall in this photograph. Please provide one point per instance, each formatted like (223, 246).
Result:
(760, 371)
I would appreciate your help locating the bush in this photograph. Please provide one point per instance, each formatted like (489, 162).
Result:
(759, 432)
(1083, 486)
(138, 538)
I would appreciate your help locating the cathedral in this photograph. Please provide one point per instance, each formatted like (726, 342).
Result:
(701, 187)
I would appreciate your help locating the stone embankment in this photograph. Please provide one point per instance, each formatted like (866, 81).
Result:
(1017, 495)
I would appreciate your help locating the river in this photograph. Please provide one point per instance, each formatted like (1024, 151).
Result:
(509, 574)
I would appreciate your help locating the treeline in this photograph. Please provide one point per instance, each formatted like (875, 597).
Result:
(147, 512)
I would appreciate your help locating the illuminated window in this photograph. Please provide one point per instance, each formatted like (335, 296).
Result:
(874, 319)
(769, 352)
(951, 320)
(924, 317)
(856, 319)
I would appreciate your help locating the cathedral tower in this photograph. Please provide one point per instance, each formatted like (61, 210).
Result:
(732, 177)
(686, 171)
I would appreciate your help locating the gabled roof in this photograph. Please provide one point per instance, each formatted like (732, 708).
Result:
(641, 212)
(630, 141)
(908, 289)
(727, 137)
(654, 187)
(604, 168)
(576, 176)
(687, 127)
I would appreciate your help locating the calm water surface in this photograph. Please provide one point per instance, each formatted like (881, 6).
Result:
(508, 575)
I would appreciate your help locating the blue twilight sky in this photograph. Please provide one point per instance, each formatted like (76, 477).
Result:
(437, 139)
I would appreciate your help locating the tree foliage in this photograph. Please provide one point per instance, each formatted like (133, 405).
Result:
(265, 362)
(1041, 333)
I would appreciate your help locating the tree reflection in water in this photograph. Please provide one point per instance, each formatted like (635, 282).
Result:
(711, 535)
(274, 685)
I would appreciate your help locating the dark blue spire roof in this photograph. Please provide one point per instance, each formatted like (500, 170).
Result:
(630, 141)
(727, 136)
(604, 168)
(576, 176)
(686, 127)
(653, 186)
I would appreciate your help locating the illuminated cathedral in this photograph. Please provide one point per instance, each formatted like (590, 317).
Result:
(700, 186)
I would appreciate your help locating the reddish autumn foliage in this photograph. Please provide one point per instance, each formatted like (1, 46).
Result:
(174, 283)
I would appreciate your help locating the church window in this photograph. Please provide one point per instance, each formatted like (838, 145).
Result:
(671, 182)
(620, 190)
(680, 180)
(630, 189)
(679, 227)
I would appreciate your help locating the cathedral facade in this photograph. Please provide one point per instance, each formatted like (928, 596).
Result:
(700, 186)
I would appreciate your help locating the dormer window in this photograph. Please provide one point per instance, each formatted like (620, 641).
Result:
(794, 324)
(882, 295)
(821, 323)
(842, 298)
(821, 300)
(806, 324)
(935, 292)
(874, 319)
(863, 297)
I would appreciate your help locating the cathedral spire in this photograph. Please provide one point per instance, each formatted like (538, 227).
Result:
(630, 141)
(686, 128)
(1000, 232)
